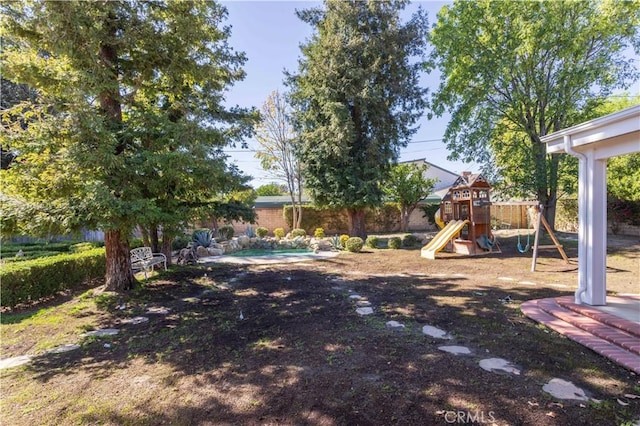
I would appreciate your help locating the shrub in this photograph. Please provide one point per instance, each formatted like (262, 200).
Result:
(250, 232)
(343, 240)
(298, 232)
(372, 241)
(335, 241)
(409, 240)
(279, 232)
(202, 237)
(262, 231)
(354, 244)
(226, 232)
(34, 279)
(180, 242)
(85, 246)
(318, 233)
(394, 243)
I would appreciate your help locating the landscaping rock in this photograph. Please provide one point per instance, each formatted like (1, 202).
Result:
(563, 389)
(363, 303)
(456, 350)
(202, 251)
(499, 364)
(215, 251)
(135, 320)
(395, 325)
(63, 348)
(158, 310)
(244, 241)
(14, 361)
(102, 332)
(364, 311)
(435, 332)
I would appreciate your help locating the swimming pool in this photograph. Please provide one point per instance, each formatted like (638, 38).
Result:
(266, 252)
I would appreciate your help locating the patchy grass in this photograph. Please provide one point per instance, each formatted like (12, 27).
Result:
(301, 355)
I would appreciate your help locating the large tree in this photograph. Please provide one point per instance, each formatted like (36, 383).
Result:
(513, 72)
(406, 187)
(357, 99)
(129, 124)
(277, 139)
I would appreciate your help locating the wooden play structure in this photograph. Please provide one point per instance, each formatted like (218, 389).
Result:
(465, 211)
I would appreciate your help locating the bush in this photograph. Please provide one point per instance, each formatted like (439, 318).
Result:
(409, 240)
(354, 244)
(279, 232)
(318, 233)
(180, 242)
(262, 231)
(28, 281)
(394, 243)
(85, 246)
(250, 232)
(298, 232)
(372, 241)
(343, 240)
(226, 232)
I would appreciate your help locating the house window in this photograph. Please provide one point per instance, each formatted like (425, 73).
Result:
(466, 193)
(447, 208)
(456, 195)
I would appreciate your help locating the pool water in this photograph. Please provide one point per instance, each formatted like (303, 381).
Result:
(264, 252)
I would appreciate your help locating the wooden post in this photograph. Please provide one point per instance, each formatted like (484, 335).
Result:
(536, 241)
(536, 246)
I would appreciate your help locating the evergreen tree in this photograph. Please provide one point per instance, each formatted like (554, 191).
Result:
(357, 98)
(129, 124)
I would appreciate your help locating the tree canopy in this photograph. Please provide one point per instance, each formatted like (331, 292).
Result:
(515, 71)
(277, 138)
(357, 98)
(129, 123)
(406, 187)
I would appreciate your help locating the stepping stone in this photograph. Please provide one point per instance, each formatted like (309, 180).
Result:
(135, 320)
(14, 361)
(506, 279)
(364, 311)
(355, 297)
(456, 350)
(363, 303)
(527, 283)
(435, 332)
(158, 311)
(395, 325)
(496, 364)
(191, 300)
(62, 349)
(102, 332)
(563, 389)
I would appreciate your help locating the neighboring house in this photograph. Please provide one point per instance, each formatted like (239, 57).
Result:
(445, 177)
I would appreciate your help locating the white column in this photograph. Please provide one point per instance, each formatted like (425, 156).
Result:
(595, 242)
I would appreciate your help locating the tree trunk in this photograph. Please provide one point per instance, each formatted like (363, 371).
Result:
(356, 223)
(155, 246)
(404, 219)
(119, 274)
(167, 239)
(145, 236)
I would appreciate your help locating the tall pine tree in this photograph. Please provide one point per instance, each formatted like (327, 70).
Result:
(358, 98)
(129, 125)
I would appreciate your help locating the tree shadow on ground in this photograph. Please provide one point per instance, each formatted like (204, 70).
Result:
(301, 354)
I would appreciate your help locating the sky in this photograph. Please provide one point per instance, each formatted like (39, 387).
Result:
(270, 34)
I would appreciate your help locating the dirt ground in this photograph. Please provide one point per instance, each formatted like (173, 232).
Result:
(301, 355)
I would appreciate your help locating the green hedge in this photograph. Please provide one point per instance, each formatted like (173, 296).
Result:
(380, 219)
(34, 279)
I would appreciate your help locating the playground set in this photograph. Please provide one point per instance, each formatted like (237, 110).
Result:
(465, 214)
(466, 227)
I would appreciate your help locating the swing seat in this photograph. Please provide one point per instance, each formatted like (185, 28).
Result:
(485, 242)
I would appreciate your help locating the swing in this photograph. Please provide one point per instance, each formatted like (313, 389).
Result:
(527, 247)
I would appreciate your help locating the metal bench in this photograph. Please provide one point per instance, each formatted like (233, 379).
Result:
(142, 259)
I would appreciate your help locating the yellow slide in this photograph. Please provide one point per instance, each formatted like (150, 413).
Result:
(438, 219)
(440, 241)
